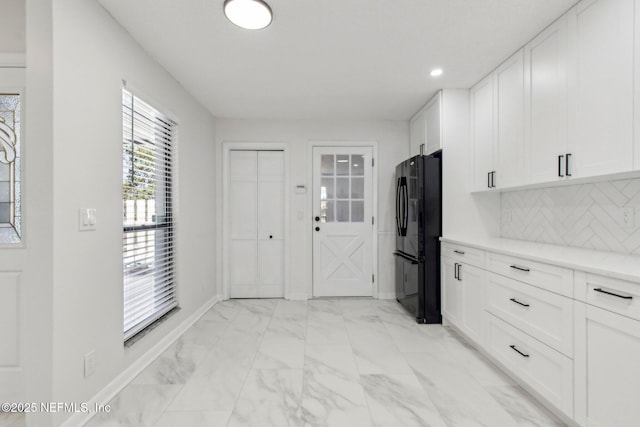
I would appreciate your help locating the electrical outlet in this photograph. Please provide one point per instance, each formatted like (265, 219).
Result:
(90, 363)
(628, 217)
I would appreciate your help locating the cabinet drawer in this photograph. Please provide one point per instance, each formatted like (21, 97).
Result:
(542, 314)
(615, 295)
(464, 254)
(550, 277)
(543, 369)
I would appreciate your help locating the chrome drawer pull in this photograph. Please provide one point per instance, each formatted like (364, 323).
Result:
(602, 291)
(513, 347)
(518, 302)
(459, 252)
(520, 268)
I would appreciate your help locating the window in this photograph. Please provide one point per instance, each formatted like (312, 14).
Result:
(342, 188)
(10, 194)
(148, 232)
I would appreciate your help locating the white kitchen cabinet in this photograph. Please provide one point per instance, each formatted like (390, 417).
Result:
(545, 125)
(474, 318)
(482, 134)
(607, 368)
(418, 131)
(433, 115)
(425, 127)
(463, 296)
(451, 292)
(543, 369)
(601, 48)
(509, 122)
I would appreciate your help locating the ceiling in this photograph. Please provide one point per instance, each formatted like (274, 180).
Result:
(331, 59)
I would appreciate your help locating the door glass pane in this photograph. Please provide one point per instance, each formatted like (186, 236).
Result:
(10, 173)
(342, 211)
(342, 164)
(357, 165)
(357, 188)
(357, 211)
(326, 189)
(327, 211)
(342, 188)
(326, 164)
(4, 192)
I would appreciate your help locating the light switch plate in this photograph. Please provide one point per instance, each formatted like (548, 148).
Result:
(87, 219)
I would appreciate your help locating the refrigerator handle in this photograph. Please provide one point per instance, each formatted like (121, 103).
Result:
(404, 219)
(398, 207)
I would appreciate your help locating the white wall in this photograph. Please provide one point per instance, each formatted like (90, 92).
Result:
(92, 55)
(393, 147)
(464, 215)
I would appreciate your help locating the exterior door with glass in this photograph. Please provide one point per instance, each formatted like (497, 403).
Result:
(343, 221)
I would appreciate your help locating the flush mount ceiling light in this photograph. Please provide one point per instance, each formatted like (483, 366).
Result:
(436, 72)
(249, 14)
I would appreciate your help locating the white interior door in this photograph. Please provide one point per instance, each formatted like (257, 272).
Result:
(256, 216)
(12, 251)
(343, 221)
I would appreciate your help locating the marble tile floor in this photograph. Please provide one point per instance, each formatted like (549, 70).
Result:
(327, 362)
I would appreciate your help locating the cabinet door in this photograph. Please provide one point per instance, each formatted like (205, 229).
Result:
(601, 87)
(451, 304)
(475, 320)
(546, 102)
(418, 131)
(434, 129)
(509, 138)
(607, 368)
(482, 133)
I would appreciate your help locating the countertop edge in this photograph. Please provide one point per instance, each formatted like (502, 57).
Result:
(610, 264)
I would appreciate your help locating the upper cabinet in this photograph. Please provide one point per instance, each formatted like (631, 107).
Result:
(482, 131)
(601, 87)
(563, 108)
(497, 134)
(418, 131)
(425, 127)
(509, 122)
(545, 123)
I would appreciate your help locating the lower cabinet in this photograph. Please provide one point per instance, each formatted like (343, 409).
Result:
(571, 337)
(607, 368)
(463, 292)
(543, 369)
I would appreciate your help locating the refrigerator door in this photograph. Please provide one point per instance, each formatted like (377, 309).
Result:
(431, 192)
(408, 284)
(401, 206)
(407, 207)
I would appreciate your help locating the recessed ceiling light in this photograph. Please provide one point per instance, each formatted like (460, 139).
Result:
(436, 72)
(249, 14)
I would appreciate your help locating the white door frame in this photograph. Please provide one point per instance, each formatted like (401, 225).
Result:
(374, 177)
(227, 147)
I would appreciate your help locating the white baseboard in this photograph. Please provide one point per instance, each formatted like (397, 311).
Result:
(105, 395)
(300, 296)
(386, 295)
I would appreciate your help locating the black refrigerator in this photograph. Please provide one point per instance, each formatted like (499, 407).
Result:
(418, 229)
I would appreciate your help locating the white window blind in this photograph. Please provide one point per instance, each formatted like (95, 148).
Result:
(148, 228)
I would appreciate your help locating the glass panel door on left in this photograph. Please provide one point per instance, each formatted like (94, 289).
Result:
(10, 165)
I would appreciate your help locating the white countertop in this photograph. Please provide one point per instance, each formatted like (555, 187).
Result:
(612, 264)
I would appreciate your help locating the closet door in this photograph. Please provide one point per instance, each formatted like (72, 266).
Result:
(243, 214)
(270, 224)
(256, 215)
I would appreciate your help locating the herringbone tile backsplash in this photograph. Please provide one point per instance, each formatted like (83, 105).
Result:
(586, 216)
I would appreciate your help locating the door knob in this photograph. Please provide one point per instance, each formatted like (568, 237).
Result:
(317, 218)
(317, 228)
(271, 236)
